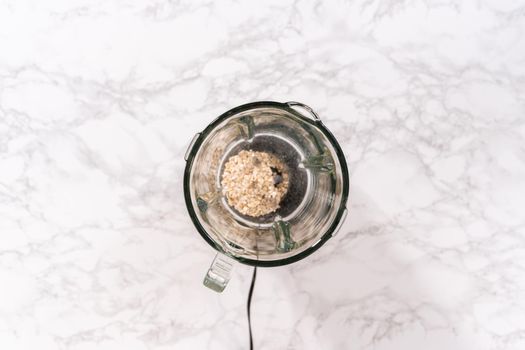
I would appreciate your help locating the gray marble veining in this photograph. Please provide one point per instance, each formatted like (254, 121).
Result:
(99, 99)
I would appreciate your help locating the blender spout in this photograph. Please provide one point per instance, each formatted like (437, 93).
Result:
(308, 109)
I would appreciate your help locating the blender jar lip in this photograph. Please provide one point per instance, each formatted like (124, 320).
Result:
(315, 122)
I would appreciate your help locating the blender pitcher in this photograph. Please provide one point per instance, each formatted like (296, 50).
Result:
(311, 211)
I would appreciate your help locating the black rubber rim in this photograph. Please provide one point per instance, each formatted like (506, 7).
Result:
(344, 171)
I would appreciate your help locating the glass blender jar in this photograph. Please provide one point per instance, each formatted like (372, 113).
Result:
(310, 212)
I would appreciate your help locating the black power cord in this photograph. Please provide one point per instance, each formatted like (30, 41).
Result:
(250, 293)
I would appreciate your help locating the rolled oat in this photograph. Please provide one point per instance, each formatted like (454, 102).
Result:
(254, 183)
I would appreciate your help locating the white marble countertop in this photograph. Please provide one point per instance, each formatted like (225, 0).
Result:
(99, 99)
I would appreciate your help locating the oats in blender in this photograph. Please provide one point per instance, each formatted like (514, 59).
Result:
(254, 183)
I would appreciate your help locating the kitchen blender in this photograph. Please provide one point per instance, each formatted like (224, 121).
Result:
(311, 211)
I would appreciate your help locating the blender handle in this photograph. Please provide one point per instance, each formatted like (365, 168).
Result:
(219, 273)
(314, 115)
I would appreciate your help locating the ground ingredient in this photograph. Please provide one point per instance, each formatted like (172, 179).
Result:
(254, 183)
